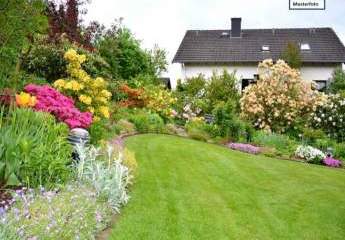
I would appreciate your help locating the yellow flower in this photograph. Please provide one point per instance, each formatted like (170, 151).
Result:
(75, 85)
(105, 111)
(99, 82)
(71, 55)
(101, 100)
(106, 93)
(85, 99)
(91, 109)
(59, 83)
(68, 85)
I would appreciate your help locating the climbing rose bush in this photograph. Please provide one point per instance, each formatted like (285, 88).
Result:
(330, 117)
(279, 97)
(90, 94)
(62, 107)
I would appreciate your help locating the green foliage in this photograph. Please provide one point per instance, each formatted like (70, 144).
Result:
(337, 84)
(340, 151)
(146, 122)
(34, 149)
(282, 143)
(198, 96)
(292, 55)
(199, 130)
(310, 136)
(124, 127)
(125, 56)
(99, 130)
(19, 21)
(46, 60)
(75, 212)
(222, 88)
(230, 126)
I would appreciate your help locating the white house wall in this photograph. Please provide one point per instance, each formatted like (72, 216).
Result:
(247, 71)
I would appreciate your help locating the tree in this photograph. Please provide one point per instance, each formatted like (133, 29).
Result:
(127, 59)
(292, 55)
(338, 81)
(65, 19)
(20, 21)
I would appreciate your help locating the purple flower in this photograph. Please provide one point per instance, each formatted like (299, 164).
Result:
(243, 147)
(331, 162)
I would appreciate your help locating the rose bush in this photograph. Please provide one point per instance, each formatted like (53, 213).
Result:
(279, 98)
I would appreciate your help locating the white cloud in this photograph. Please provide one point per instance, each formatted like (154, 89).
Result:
(165, 22)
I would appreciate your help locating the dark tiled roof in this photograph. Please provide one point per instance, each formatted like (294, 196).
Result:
(211, 46)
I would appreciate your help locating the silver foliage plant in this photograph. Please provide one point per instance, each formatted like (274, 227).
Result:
(109, 177)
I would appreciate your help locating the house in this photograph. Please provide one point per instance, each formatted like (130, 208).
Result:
(205, 51)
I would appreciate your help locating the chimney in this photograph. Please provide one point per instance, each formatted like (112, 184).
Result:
(236, 27)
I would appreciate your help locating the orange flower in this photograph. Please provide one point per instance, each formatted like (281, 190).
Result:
(25, 100)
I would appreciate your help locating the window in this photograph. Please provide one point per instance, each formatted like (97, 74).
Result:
(246, 82)
(305, 46)
(321, 85)
(265, 48)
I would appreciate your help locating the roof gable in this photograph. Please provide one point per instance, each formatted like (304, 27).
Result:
(211, 46)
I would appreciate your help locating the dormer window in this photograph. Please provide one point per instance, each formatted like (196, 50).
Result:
(265, 48)
(305, 46)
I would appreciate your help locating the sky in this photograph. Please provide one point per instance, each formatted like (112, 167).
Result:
(165, 22)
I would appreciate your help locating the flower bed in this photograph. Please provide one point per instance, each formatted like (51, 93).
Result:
(310, 154)
(62, 107)
(243, 147)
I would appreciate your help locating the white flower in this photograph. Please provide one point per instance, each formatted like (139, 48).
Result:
(309, 153)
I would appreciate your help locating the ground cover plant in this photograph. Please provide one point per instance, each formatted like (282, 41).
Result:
(219, 194)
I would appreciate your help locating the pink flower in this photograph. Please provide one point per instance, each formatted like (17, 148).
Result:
(62, 107)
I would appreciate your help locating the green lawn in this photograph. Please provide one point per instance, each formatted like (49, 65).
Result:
(192, 190)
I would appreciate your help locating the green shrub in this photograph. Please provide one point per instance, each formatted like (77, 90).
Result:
(125, 127)
(34, 149)
(147, 122)
(99, 131)
(198, 134)
(310, 136)
(339, 151)
(281, 143)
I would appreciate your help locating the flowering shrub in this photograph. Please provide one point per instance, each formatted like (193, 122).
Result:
(62, 107)
(279, 97)
(133, 96)
(73, 212)
(90, 94)
(331, 117)
(158, 100)
(310, 154)
(25, 100)
(243, 147)
(331, 162)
